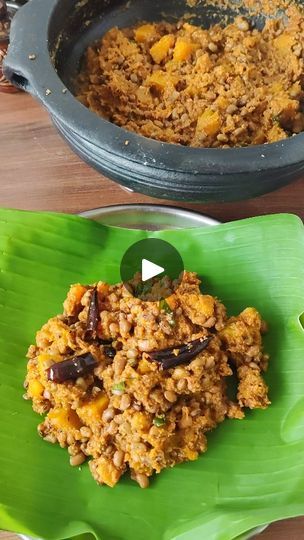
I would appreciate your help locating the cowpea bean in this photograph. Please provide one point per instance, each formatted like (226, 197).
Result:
(125, 402)
(109, 450)
(297, 50)
(179, 373)
(50, 438)
(253, 350)
(184, 117)
(137, 406)
(108, 414)
(77, 460)
(118, 458)
(170, 396)
(134, 77)
(81, 383)
(119, 365)
(142, 480)
(145, 345)
(242, 24)
(198, 362)
(222, 137)
(114, 328)
(181, 385)
(186, 421)
(125, 428)
(157, 395)
(209, 362)
(139, 447)
(231, 109)
(86, 431)
(86, 298)
(239, 131)
(212, 47)
(70, 439)
(210, 322)
(132, 354)
(124, 326)
(195, 412)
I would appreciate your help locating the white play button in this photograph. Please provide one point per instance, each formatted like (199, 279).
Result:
(150, 270)
(156, 260)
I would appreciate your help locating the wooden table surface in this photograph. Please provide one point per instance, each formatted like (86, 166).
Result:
(38, 171)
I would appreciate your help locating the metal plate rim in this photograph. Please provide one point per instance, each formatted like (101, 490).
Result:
(194, 219)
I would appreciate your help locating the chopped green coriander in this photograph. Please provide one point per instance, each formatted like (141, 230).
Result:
(172, 321)
(164, 306)
(132, 362)
(143, 288)
(118, 388)
(159, 421)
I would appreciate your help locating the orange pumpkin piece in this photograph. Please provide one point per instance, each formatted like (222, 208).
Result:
(209, 122)
(64, 418)
(183, 49)
(162, 80)
(35, 389)
(107, 473)
(141, 421)
(92, 411)
(284, 43)
(45, 360)
(143, 33)
(161, 48)
(73, 299)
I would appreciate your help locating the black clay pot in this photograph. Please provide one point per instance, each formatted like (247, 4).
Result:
(48, 38)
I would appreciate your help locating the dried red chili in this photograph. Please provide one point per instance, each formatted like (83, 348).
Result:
(72, 368)
(180, 354)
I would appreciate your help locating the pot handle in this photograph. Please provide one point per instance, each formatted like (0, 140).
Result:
(14, 58)
(17, 79)
(27, 26)
(13, 6)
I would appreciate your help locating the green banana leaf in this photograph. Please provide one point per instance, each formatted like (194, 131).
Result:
(253, 472)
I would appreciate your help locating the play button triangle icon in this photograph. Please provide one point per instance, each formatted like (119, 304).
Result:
(160, 265)
(150, 270)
